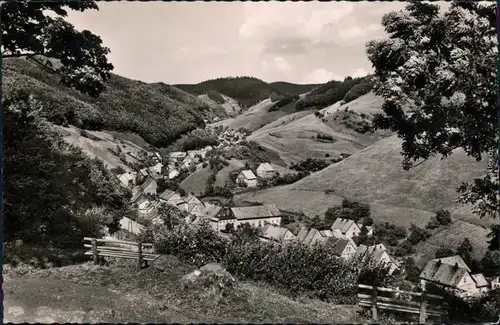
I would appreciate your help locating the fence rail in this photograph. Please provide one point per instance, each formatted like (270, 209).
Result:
(142, 252)
(420, 307)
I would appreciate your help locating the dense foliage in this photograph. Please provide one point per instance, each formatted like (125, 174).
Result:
(310, 165)
(37, 30)
(247, 91)
(360, 89)
(294, 267)
(194, 140)
(438, 73)
(158, 113)
(328, 94)
(54, 194)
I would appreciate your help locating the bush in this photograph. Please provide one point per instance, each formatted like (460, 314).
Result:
(297, 268)
(443, 217)
(310, 165)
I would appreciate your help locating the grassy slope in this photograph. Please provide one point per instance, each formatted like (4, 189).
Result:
(197, 181)
(99, 145)
(88, 293)
(231, 106)
(374, 175)
(157, 112)
(293, 139)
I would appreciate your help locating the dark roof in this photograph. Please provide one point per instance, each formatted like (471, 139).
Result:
(442, 273)
(148, 182)
(336, 245)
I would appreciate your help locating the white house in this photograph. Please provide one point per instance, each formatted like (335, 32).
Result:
(265, 170)
(144, 206)
(277, 234)
(149, 186)
(452, 273)
(177, 155)
(495, 283)
(144, 172)
(171, 198)
(173, 174)
(159, 158)
(128, 179)
(247, 177)
(343, 248)
(345, 228)
(377, 255)
(194, 206)
(368, 228)
(131, 226)
(156, 169)
(255, 216)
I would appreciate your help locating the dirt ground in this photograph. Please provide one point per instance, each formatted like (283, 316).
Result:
(121, 294)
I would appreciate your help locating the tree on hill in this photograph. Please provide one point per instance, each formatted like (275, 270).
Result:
(347, 210)
(437, 74)
(29, 31)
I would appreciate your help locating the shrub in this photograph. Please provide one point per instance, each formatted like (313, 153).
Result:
(215, 96)
(443, 217)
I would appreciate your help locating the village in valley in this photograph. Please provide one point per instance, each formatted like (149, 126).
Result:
(274, 162)
(450, 271)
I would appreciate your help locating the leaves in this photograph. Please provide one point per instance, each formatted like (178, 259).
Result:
(437, 74)
(78, 57)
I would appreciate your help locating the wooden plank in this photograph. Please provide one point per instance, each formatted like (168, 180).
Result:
(416, 294)
(423, 310)
(387, 299)
(412, 310)
(374, 305)
(146, 258)
(105, 253)
(139, 246)
(102, 240)
(95, 252)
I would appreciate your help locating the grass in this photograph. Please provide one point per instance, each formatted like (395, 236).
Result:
(375, 176)
(102, 146)
(197, 181)
(223, 175)
(156, 295)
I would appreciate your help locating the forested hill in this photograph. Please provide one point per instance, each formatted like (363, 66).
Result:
(159, 113)
(248, 91)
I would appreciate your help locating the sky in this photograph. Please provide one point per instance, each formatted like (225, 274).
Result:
(190, 42)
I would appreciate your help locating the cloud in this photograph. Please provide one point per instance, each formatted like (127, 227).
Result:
(359, 73)
(272, 19)
(278, 63)
(321, 76)
(356, 32)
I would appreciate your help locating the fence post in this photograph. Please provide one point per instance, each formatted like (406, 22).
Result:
(374, 304)
(94, 251)
(423, 308)
(140, 253)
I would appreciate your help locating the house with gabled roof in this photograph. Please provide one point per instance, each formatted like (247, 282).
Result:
(272, 233)
(247, 177)
(314, 236)
(377, 255)
(301, 236)
(453, 274)
(171, 198)
(345, 228)
(156, 169)
(144, 172)
(343, 248)
(173, 174)
(369, 229)
(127, 179)
(255, 216)
(194, 205)
(495, 283)
(265, 170)
(149, 186)
(177, 156)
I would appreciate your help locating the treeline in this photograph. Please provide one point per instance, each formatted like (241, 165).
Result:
(334, 91)
(159, 113)
(248, 91)
(54, 194)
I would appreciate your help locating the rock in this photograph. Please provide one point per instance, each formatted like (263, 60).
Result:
(212, 267)
(166, 262)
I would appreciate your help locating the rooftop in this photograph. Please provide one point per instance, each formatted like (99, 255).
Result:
(256, 212)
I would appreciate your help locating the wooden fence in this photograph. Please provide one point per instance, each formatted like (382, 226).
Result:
(142, 252)
(420, 307)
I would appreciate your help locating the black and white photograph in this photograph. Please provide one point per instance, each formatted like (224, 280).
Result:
(269, 162)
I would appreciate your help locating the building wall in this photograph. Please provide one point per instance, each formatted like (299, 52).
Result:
(348, 252)
(467, 284)
(251, 182)
(352, 232)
